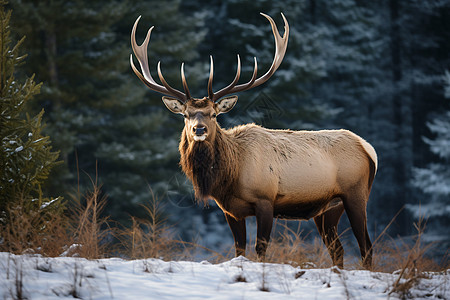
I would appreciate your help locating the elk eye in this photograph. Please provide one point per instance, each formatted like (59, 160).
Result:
(214, 115)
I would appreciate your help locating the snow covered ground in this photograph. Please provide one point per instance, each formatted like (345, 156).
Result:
(239, 278)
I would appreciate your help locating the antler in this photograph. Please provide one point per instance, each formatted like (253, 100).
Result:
(280, 50)
(141, 54)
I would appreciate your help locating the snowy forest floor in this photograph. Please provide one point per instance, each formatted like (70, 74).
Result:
(37, 277)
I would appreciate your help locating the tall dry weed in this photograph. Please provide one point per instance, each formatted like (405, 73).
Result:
(89, 230)
(149, 237)
(411, 262)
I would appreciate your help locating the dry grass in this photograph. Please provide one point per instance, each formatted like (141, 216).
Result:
(152, 237)
(85, 233)
(89, 231)
(33, 231)
(149, 237)
(410, 261)
(80, 231)
(391, 256)
(412, 255)
(292, 248)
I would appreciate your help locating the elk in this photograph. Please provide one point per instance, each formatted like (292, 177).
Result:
(253, 171)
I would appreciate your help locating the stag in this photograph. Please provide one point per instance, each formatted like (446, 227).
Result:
(253, 171)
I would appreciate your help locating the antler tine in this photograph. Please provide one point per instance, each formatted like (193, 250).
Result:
(141, 55)
(170, 90)
(280, 50)
(185, 85)
(225, 90)
(210, 80)
(234, 89)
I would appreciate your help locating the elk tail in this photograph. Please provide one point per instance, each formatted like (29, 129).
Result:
(373, 159)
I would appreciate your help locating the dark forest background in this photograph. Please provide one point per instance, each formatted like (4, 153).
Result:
(378, 68)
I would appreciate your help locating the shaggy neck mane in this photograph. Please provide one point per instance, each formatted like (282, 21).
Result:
(210, 165)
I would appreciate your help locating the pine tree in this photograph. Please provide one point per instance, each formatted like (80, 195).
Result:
(434, 179)
(74, 52)
(26, 156)
(419, 46)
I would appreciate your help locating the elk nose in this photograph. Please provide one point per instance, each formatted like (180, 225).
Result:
(199, 130)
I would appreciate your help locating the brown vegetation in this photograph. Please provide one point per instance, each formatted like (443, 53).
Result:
(84, 233)
(31, 231)
(92, 236)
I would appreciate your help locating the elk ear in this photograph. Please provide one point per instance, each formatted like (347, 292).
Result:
(174, 105)
(226, 104)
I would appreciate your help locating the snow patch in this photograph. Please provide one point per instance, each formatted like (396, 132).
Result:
(239, 278)
(46, 204)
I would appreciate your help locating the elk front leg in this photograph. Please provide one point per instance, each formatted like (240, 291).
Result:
(239, 233)
(264, 220)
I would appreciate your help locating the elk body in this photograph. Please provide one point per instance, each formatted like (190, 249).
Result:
(253, 171)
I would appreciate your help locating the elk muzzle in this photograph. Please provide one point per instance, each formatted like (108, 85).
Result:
(199, 133)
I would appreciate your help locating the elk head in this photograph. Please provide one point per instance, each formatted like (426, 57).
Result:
(200, 114)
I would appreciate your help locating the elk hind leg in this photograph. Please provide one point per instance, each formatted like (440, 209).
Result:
(327, 226)
(355, 207)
